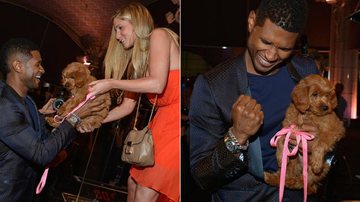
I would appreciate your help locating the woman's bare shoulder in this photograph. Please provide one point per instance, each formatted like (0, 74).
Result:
(159, 32)
(164, 34)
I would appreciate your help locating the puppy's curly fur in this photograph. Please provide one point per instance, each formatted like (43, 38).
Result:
(313, 100)
(75, 78)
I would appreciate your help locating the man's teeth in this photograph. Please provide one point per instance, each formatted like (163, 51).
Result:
(38, 77)
(263, 62)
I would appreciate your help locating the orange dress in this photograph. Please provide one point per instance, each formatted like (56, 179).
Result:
(164, 176)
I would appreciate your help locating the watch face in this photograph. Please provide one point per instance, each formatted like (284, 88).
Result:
(73, 119)
(230, 145)
(57, 103)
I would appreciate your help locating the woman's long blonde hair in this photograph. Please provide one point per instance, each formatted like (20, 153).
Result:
(118, 59)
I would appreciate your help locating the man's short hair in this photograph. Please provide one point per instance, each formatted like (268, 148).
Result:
(290, 15)
(15, 46)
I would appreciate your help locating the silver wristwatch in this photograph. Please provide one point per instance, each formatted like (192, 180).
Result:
(233, 145)
(73, 119)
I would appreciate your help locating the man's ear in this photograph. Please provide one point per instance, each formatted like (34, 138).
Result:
(16, 65)
(251, 20)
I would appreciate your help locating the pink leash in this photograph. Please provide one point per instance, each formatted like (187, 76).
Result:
(44, 175)
(88, 97)
(302, 137)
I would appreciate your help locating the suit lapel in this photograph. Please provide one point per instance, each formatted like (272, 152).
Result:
(33, 112)
(12, 98)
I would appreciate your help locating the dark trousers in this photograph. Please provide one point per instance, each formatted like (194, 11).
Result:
(247, 188)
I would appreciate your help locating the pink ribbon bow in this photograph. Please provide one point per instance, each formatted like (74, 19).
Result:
(45, 174)
(302, 137)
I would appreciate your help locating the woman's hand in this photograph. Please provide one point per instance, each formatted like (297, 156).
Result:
(100, 86)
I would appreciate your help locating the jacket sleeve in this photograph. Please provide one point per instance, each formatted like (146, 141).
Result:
(17, 134)
(212, 165)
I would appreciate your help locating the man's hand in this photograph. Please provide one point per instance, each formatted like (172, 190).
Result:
(47, 108)
(85, 128)
(247, 118)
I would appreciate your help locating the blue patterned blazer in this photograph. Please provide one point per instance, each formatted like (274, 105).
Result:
(213, 167)
(26, 146)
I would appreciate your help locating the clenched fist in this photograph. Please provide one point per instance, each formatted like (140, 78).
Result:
(247, 118)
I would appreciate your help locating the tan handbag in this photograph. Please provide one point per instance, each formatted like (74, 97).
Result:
(138, 145)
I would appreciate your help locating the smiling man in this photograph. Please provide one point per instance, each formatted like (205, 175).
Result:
(237, 107)
(26, 146)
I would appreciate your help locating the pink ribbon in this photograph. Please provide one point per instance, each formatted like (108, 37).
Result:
(42, 181)
(302, 137)
(45, 174)
(58, 119)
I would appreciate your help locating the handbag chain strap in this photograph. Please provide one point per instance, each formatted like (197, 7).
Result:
(138, 105)
(137, 111)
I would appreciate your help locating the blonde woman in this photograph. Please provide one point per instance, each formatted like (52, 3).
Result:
(149, 60)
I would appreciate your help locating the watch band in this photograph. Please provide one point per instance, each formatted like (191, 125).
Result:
(231, 146)
(74, 119)
(237, 144)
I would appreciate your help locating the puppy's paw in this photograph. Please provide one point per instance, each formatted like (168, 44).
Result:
(272, 178)
(317, 164)
(317, 168)
(312, 189)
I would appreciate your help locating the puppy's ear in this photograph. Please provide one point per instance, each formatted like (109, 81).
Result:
(80, 79)
(300, 96)
(82, 76)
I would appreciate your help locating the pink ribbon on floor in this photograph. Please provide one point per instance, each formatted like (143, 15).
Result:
(42, 182)
(302, 137)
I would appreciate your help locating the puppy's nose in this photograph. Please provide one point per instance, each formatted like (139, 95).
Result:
(324, 108)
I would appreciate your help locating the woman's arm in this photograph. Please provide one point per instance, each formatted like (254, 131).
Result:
(124, 109)
(155, 81)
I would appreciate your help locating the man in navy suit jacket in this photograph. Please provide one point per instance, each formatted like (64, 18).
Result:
(26, 146)
(237, 107)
